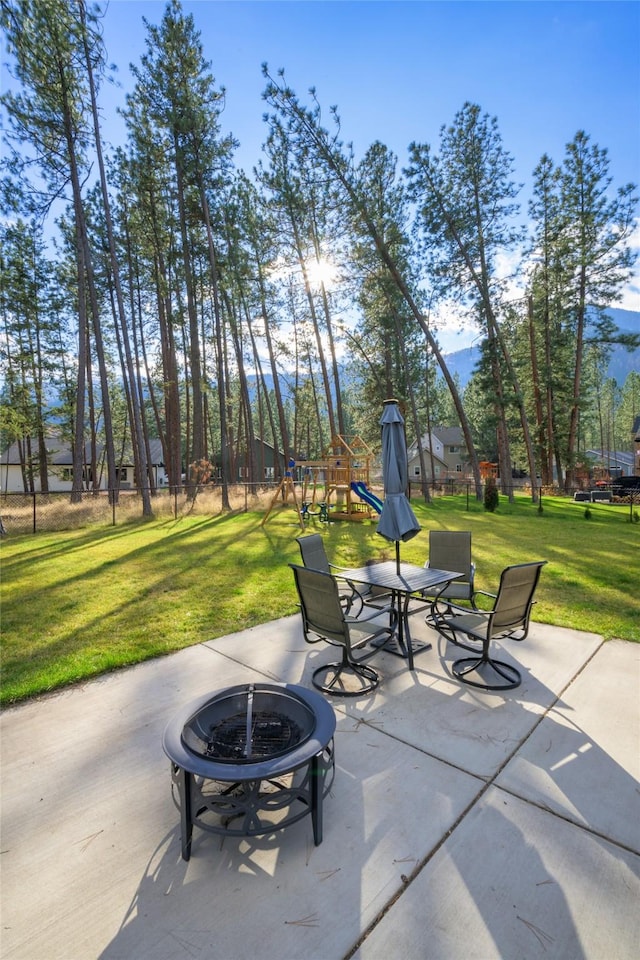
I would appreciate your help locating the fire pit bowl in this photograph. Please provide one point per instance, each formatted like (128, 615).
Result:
(251, 759)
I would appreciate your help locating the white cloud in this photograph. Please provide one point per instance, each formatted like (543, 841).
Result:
(631, 295)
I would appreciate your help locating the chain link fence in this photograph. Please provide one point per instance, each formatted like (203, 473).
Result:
(25, 513)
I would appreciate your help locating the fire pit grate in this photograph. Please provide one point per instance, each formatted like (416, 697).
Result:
(248, 724)
(269, 735)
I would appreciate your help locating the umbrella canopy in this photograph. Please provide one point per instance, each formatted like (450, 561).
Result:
(397, 520)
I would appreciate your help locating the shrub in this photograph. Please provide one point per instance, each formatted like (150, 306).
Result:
(587, 513)
(491, 496)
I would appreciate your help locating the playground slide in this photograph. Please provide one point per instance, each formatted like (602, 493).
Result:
(365, 494)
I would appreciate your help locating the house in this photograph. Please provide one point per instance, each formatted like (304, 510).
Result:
(60, 467)
(449, 451)
(265, 458)
(266, 454)
(617, 463)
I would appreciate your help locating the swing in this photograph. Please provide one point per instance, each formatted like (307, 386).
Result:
(309, 506)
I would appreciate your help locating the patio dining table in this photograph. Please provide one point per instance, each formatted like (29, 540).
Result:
(401, 584)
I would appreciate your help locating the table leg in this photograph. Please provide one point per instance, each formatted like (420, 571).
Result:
(405, 645)
(402, 645)
(406, 648)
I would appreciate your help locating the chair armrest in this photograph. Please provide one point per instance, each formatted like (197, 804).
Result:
(356, 594)
(482, 593)
(365, 617)
(335, 572)
(455, 609)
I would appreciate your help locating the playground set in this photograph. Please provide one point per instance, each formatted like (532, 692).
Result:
(334, 488)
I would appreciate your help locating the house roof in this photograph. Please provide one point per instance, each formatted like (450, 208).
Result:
(58, 452)
(611, 457)
(60, 455)
(450, 436)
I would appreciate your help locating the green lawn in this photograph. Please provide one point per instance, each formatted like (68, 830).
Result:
(79, 603)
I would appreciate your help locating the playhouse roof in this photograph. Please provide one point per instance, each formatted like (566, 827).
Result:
(349, 445)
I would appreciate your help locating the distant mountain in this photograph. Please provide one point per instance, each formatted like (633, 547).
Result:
(627, 320)
(621, 362)
(462, 363)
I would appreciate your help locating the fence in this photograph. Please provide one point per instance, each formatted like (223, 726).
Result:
(47, 512)
(24, 513)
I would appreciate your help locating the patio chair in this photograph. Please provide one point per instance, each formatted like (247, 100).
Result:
(474, 630)
(324, 619)
(450, 550)
(314, 557)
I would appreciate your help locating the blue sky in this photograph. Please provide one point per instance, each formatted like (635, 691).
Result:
(400, 70)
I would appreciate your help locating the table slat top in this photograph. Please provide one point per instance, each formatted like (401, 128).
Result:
(410, 578)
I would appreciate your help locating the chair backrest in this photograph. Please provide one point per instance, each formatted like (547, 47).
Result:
(451, 550)
(514, 599)
(313, 553)
(320, 604)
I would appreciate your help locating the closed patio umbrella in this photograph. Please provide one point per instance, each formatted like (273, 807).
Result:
(397, 521)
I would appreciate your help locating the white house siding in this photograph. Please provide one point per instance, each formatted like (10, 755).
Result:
(60, 467)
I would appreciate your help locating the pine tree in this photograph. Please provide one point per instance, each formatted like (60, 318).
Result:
(466, 210)
(304, 125)
(596, 232)
(49, 113)
(178, 91)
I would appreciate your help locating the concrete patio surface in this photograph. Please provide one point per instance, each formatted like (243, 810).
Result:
(461, 824)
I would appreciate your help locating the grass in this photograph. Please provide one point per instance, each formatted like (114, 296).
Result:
(82, 602)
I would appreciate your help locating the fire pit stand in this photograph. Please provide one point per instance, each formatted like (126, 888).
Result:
(251, 759)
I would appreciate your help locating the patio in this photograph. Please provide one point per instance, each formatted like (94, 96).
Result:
(461, 824)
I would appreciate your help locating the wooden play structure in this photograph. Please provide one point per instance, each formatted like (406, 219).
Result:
(286, 489)
(348, 474)
(488, 470)
(344, 474)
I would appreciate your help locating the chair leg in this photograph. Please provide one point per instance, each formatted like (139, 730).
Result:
(436, 611)
(348, 678)
(511, 677)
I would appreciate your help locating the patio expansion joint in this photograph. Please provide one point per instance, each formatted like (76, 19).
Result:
(489, 782)
(241, 663)
(419, 867)
(373, 725)
(543, 806)
(567, 819)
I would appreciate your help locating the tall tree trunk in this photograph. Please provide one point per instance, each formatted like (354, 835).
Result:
(305, 126)
(220, 369)
(302, 262)
(574, 413)
(171, 380)
(537, 390)
(196, 450)
(141, 464)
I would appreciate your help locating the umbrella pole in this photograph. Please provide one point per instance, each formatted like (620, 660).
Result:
(398, 557)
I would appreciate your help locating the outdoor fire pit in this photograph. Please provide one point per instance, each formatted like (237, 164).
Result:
(251, 759)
